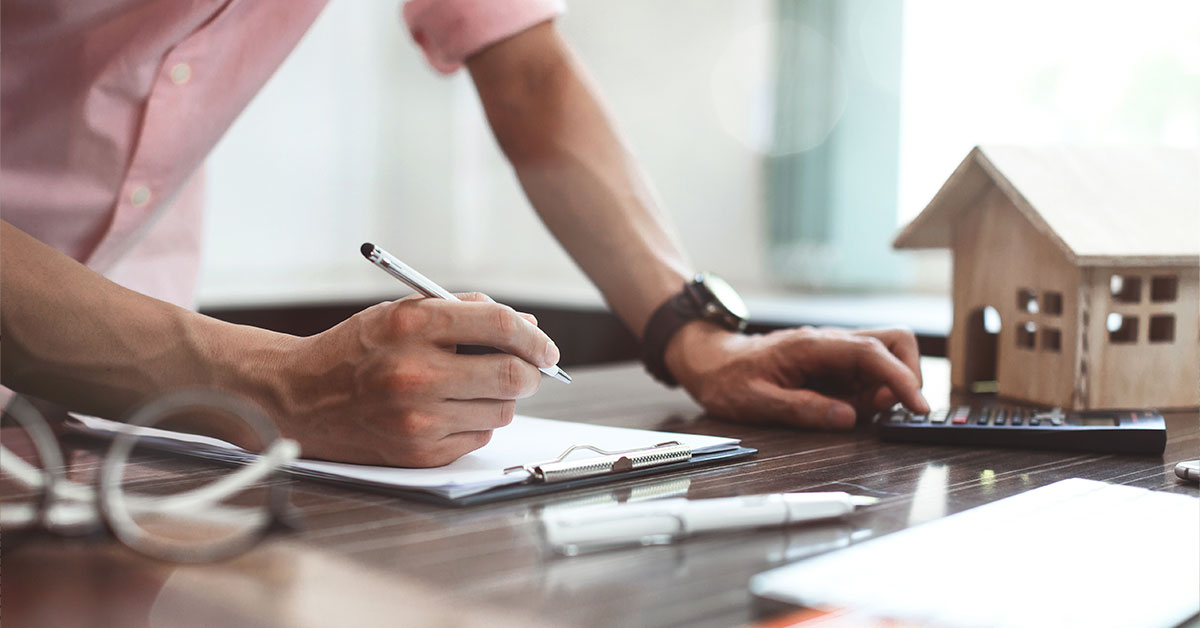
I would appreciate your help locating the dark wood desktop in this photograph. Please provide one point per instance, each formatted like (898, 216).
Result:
(369, 559)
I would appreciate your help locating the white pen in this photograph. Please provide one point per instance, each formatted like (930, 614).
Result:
(427, 287)
(663, 521)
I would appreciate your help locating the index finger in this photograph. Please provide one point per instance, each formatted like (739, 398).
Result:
(876, 360)
(492, 325)
(902, 343)
(870, 357)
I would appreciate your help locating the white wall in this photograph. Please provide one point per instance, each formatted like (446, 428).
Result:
(356, 139)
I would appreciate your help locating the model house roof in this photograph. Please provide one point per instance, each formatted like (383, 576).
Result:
(1122, 206)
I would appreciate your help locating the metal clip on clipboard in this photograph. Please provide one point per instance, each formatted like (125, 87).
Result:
(608, 462)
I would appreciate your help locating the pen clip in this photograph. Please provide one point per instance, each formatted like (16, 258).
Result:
(559, 469)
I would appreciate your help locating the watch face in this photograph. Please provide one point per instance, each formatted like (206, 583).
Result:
(724, 294)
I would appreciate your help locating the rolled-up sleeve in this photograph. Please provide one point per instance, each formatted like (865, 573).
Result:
(449, 31)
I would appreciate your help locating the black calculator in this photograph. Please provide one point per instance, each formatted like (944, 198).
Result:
(1110, 431)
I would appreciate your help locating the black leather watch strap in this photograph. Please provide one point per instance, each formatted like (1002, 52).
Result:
(674, 313)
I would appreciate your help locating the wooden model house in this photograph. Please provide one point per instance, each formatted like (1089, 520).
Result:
(1091, 259)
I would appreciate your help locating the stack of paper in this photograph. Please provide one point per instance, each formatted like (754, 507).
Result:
(526, 440)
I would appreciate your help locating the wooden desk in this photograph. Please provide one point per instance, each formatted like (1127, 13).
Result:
(369, 559)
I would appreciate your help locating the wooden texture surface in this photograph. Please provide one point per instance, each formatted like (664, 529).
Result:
(1065, 220)
(370, 559)
(997, 255)
(1167, 371)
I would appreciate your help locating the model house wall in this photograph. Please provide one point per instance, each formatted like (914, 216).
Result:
(1091, 259)
(1151, 359)
(999, 258)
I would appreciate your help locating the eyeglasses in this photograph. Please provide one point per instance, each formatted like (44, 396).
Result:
(231, 510)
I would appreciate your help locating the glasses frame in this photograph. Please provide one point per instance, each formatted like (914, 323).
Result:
(111, 508)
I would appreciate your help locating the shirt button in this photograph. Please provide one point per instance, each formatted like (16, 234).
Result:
(140, 196)
(181, 73)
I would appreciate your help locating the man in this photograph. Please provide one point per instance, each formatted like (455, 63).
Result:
(109, 108)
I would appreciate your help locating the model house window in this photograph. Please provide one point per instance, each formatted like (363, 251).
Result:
(1026, 333)
(1125, 288)
(1052, 303)
(1164, 288)
(1027, 301)
(1121, 329)
(1051, 340)
(1162, 328)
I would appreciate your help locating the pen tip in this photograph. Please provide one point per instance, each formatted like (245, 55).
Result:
(367, 248)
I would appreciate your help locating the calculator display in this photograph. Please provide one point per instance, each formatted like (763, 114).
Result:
(1099, 421)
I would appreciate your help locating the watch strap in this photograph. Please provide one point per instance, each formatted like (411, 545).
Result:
(666, 321)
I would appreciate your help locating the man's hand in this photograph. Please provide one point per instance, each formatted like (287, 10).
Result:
(817, 378)
(590, 192)
(386, 386)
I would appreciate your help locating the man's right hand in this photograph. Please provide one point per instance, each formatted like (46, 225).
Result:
(386, 386)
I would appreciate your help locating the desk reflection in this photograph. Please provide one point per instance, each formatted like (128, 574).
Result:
(279, 584)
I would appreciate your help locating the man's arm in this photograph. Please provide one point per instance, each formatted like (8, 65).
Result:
(383, 387)
(577, 172)
(593, 197)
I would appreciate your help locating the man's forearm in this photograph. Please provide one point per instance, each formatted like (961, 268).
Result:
(577, 173)
(75, 338)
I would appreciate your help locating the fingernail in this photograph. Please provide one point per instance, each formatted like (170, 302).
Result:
(550, 355)
(839, 417)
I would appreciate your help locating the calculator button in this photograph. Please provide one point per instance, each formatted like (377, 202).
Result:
(960, 416)
(898, 416)
(1001, 417)
(1018, 417)
(917, 418)
(939, 416)
(1054, 416)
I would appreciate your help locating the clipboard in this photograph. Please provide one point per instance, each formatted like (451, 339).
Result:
(531, 456)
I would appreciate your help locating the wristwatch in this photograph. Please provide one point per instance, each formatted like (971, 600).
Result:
(705, 297)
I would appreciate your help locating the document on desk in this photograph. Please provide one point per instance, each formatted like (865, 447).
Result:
(1073, 553)
(526, 441)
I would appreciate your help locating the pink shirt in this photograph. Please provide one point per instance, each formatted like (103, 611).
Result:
(109, 107)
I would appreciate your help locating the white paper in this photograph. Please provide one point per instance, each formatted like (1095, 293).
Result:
(526, 440)
(1074, 553)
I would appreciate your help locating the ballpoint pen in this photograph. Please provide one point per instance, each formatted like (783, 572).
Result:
(427, 287)
(663, 521)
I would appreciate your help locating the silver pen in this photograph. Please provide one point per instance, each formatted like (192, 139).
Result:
(427, 287)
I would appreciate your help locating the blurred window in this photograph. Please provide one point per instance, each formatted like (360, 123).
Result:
(877, 103)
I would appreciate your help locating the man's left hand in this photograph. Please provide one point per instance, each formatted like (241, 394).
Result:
(818, 378)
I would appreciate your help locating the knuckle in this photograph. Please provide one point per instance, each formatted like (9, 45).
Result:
(475, 296)
(410, 318)
(506, 410)
(418, 424)
(406, 381)
(506, 320)
(511, 377)
(805, 335)
(871, 344)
